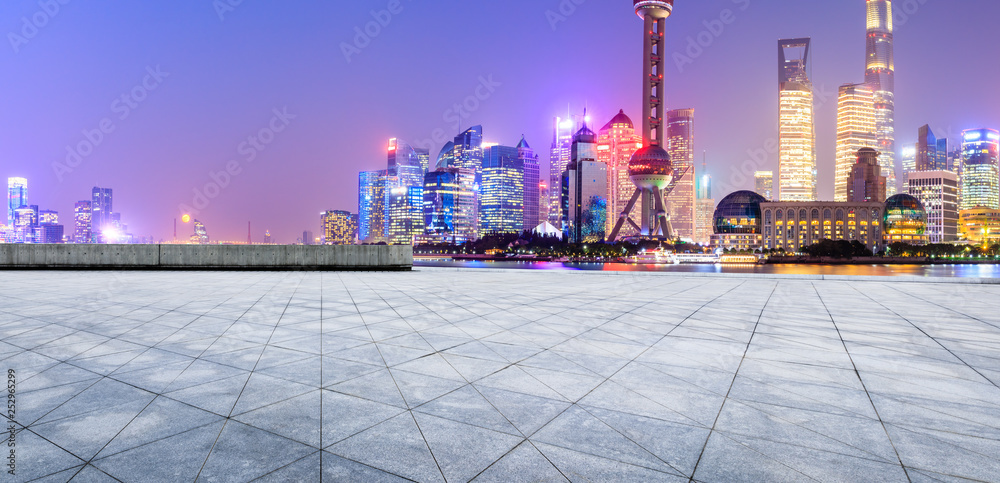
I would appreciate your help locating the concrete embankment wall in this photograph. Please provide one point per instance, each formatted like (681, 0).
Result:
(206, 257)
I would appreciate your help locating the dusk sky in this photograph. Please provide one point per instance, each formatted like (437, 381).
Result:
(222, 73)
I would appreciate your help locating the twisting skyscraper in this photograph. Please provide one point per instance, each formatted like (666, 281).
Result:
(796, 134)
(879, 75)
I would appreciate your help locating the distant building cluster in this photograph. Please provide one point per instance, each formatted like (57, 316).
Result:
(93, 220)
(947, 194)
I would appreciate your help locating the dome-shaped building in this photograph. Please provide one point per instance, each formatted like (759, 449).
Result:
(738, 221)
(905, 220)
(739, 213)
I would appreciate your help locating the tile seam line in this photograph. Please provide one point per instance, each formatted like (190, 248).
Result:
(732, 383)
(863, 385)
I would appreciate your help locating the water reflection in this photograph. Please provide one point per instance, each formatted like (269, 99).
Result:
(964, 271)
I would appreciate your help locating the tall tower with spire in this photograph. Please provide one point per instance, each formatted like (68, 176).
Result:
(650, 168)
(880, 77)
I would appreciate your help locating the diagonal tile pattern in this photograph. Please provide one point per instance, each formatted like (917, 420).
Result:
(451, 375)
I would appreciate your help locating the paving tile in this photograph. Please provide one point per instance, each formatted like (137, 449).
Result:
(395, 446)
(243, 453)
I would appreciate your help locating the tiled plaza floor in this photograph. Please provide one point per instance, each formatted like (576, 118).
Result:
(441, 375)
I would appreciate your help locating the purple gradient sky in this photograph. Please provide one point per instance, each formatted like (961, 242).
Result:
(226, 76)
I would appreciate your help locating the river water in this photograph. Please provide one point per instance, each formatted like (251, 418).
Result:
(964, 271)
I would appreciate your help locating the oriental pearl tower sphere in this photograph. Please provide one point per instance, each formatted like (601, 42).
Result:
(650, 168)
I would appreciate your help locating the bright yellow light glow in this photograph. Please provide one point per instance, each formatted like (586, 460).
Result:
(186, 218)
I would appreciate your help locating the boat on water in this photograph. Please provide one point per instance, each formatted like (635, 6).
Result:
(665, 257)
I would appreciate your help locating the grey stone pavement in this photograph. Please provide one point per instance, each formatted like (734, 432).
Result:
(445, 375)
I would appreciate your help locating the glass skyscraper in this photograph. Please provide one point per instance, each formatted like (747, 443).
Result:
(981, 169)
(81, 220)
(449, 205)
(932, 153)
(796, 133)
(559, 156)
(763, 184)
(502, 193)
(584, 192)
(532, 178)
(101, 209)
(855, 130)
(371, 206)
(405, 214)
(17, 196)
(680, 146)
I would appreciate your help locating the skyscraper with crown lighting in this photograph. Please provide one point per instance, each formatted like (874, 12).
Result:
(880, 77)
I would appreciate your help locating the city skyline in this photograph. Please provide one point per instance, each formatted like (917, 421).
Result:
(175, 138)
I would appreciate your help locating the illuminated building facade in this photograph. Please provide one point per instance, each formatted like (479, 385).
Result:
(905, 220)
(908, 158)
(937, 191)
(339, 227)
(796, 134)
(855, 130)
(102, 209)
(680, 147)
(449, 206)
(371, 206)
(544, 197)
(979, 225)
(704, 209)
(559, 156)
(980, 169)
(880, 77)
(502, 198)
(404, 214)
(532, 177)
(405, 163)
(200, 236)
(17, 196)
(585, 191)
(617, 141)
(865, 182)
(763, 184)
(81, 220)
(931, 152)
(793, 226)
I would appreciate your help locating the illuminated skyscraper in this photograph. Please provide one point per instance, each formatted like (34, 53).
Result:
(981, 169)
(544, 198)
(680, 146)
(502, 193)
(585, 191)
(932, 153)
(338, 227)
(81, 219)
(101, 209)
(371, 206)
(796, 134)
(17, 196)
(865, 182)
(855, 130)
(405, 163)
(617, 141)
(529, 160)
(200, 236)
(449, 206)
(559, 155)
(880, 77)
(763, 184)
(908, 158)
(704, 208)
(404, 214)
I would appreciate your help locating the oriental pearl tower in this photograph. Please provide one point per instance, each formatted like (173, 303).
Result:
(650, 168)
